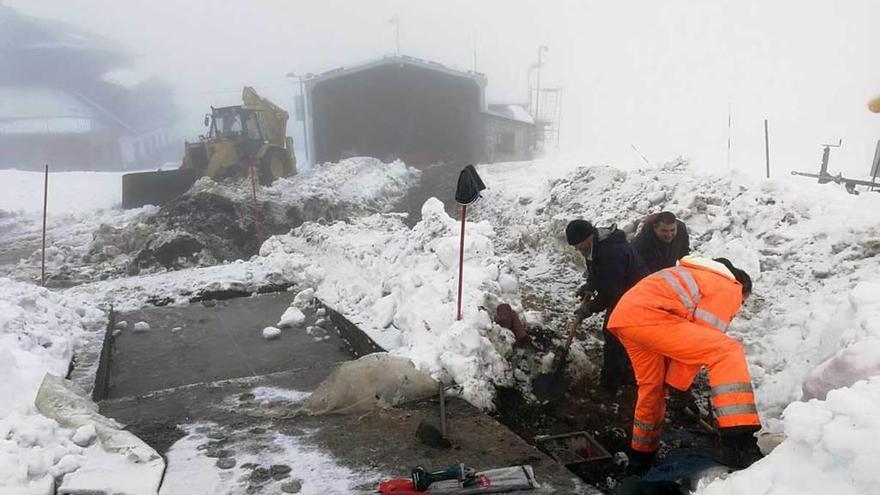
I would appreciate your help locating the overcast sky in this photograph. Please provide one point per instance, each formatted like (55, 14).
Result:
(658, 75)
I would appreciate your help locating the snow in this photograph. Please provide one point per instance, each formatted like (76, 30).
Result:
(292, 317)
(69, 192)
(811, 324)
(811, 330)
(319, 473)
(830, 448)
(271, 333)
(141, 326)
(399, 286)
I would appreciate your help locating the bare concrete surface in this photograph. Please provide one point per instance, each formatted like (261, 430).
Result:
(217, 388)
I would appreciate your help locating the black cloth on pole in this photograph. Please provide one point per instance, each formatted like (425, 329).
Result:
(469, 186)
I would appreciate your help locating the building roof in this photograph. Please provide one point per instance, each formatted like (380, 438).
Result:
(478, 77)
(28, 110)
(510, 112)
(21, 102)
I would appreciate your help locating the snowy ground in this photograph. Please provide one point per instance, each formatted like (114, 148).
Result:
(812, 325)
(91, 238)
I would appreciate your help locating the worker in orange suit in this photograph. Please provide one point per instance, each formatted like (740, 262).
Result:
(672, 323)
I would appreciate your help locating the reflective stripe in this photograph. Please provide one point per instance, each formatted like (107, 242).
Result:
(711, 319)
(691, 283)
(682, 295)
(732, 387)
(736, 409)
(646, 426)
(645, 441)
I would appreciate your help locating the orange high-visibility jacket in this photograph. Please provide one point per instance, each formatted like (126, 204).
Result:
(699, 290)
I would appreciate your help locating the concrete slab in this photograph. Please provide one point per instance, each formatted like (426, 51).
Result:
(199, 343)
(215, 398)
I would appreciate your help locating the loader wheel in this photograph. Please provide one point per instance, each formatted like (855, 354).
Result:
(273, 166)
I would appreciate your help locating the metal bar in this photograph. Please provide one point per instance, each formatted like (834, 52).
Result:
(461, 260)
(45, 206)
(442, 411)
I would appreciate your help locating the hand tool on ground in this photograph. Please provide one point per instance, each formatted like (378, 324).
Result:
(552, 386)
(422, 479)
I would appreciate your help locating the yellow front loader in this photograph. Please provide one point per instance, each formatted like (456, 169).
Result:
(238, 137)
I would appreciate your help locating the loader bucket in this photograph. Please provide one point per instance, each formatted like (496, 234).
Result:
(155, 188)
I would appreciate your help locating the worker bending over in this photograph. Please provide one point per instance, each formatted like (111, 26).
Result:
(672, 323)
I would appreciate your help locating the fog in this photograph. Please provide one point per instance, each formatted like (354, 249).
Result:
(663, 77)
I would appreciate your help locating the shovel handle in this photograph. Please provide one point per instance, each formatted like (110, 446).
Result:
(572, 328)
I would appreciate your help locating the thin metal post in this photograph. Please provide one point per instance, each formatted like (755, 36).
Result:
(442, 411)
(461, 260)
(767, 147)
(45, 206)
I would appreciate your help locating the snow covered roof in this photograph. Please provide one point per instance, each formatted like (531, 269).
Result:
(510, 112)
(20, 102)
(478, 77)
(39, 110)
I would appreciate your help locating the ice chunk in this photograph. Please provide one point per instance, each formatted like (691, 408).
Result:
(271, 333)
(141, 326)
(304, 298)
(291, 318)
(84, 435)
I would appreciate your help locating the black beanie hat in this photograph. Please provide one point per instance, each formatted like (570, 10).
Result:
(577, 231)
(740, 275)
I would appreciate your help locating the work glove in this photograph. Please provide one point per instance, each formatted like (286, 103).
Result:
(583, 312)
(583, 290)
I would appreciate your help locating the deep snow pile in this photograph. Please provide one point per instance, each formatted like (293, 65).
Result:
(38, 332)
(399, 286)
(811, 325)
(90, 238)
(830, 448)
(216, 221)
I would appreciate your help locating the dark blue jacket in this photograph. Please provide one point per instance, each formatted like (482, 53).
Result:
(658, 255)
(615, 268)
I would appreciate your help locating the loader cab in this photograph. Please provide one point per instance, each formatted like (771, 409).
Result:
(234, 123)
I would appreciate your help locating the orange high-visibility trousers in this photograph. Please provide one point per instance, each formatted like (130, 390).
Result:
(660, 352)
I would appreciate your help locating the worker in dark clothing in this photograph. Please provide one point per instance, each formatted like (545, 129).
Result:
(662, 241)
(612, 268)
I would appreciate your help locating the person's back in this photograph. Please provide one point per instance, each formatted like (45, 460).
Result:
(615, 267)
(662, 241)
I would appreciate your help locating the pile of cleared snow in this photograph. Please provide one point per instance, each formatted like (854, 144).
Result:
(330, 191)
(812, 324)
(830, 448)
(807, 247)
(38, 332)
(399, 286)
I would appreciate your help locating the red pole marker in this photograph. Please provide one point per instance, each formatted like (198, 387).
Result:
(461, 259)
(257, 225)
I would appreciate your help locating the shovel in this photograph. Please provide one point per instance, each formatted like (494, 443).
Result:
(551, 386)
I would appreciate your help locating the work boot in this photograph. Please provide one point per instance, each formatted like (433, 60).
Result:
(737, 450)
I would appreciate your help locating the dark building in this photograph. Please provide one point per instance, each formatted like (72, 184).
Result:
(67, 100)
(410, 109)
